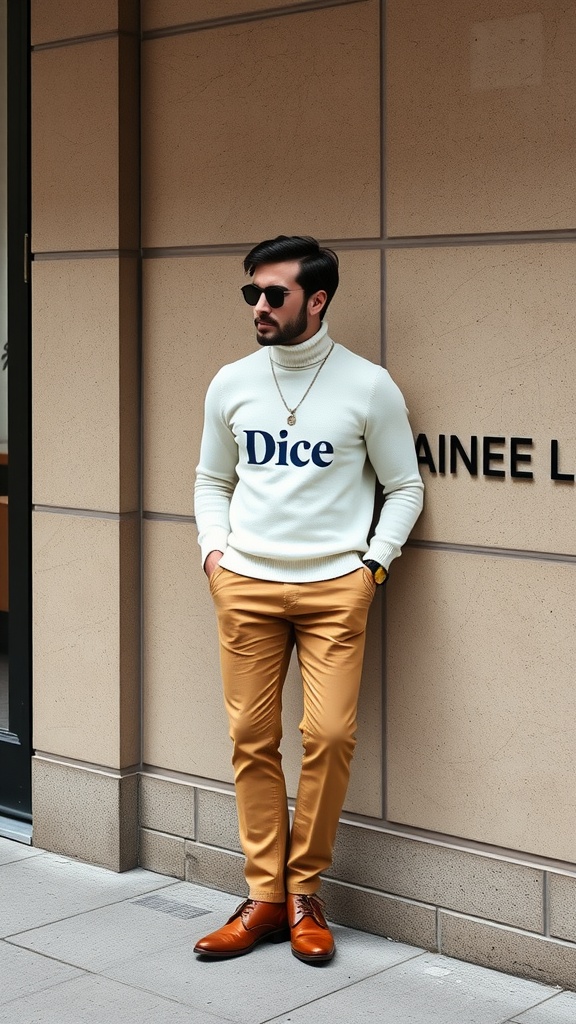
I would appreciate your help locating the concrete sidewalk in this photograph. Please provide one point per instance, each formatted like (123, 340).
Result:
(80, 945)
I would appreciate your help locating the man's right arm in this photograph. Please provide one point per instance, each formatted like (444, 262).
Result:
(215, 480)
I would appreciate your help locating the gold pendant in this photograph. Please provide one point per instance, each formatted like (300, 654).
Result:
(291, 420)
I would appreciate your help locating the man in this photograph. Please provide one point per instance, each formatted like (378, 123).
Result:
(294, 436)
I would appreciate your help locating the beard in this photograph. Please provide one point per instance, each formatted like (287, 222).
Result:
(284, 335)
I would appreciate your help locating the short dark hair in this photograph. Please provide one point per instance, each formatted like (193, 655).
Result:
(318, 267)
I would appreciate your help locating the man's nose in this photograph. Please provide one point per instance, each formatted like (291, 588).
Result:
(262, 304)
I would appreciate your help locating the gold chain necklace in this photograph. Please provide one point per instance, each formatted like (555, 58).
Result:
(292, 417)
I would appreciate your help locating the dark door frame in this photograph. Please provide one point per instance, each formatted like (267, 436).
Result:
(16, 745)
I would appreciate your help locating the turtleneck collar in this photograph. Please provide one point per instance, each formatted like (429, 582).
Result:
(307, 353)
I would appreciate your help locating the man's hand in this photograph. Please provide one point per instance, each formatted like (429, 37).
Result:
(211, 562)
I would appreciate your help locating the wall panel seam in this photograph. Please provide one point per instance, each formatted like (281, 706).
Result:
(383, 343)
(168, 517)
(378, 892)
(481, 238)
(241, 248)
(479, 549)
(217, 849)
(383, 128)
(170, 775)
(88, 766)
(86, 254)
(416, 242)
(195, 814)
(546, 905)
(248, 16)
(61, 510)
(96, 37)
(161, 832)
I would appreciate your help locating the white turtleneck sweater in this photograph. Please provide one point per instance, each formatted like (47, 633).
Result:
(295, 503)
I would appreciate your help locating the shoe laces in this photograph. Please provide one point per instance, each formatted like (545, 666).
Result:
(305, 902)
(309, 906)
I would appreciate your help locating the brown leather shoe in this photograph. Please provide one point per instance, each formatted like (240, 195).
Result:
(311, 938)
(252, 922)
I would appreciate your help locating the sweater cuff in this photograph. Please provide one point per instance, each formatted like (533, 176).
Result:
(215, 540)
(383, 553)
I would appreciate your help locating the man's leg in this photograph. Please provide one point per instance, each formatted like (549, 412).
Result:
(330, 623)
(255, 646)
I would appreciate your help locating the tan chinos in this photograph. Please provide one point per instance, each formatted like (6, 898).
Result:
(259, 622)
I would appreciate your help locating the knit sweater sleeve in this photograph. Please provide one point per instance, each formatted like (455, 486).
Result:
(391, 451)
(215, 474)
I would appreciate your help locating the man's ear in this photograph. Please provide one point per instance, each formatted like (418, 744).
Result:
(316, 302)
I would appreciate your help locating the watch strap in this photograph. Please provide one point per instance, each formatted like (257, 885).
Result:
(378, 571)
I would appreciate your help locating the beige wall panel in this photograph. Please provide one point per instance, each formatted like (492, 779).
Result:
(481, 341)
(85, 649)
(75, 151)
(396, 919)
(67, 19)
(167, 805)
(215, 869)
(185, 726)
(227, 157)
(85, 423)
(162, 853)
(354, 315)
(166, 13)
(481, 698)
(186, 342)
(481, 115)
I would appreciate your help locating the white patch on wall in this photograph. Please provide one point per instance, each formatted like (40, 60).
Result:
(507, 53)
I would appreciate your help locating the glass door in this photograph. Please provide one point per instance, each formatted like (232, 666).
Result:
(15, 458)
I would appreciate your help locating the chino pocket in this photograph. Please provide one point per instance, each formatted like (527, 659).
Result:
(369, 580)
(215, 574)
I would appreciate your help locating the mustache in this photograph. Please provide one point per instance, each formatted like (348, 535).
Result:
(265, 320)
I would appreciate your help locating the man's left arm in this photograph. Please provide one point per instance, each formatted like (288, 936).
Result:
(391, 451)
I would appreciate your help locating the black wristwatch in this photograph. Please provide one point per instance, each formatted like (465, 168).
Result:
(378, 571)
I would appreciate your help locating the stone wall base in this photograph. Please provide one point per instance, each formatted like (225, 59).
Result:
(488, 909)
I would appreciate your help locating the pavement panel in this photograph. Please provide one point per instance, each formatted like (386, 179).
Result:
(560, 1009)
(23, 973)
(105, 938)
(94, 1000)
(267, 982)
(11, 851)
(429, 989)
(38, 890)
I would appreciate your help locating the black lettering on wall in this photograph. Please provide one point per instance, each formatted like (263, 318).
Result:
(424, 453)
(554, 462)
(488, 456)
(516, 457)
(458, 449)
(442, 453)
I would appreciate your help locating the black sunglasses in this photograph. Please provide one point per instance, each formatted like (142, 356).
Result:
(274, 294)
